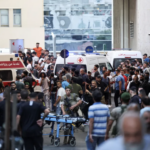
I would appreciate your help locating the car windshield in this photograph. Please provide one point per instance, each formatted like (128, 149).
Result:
(70, 66)
(118, 61)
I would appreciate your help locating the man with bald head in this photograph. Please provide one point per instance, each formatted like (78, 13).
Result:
(132, 136)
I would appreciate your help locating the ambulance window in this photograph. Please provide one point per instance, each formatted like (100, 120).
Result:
(70, 66)
(109, 67)
(6, 75)
(101, 65)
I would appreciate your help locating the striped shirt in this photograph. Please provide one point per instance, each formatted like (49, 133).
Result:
(100, 113)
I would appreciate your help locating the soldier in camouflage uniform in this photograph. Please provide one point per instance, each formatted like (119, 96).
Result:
(69, 105)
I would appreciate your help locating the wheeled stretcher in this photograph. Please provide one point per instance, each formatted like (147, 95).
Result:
(66, 119)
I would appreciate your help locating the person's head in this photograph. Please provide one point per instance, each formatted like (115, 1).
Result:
(125, 97)
(146, 117)
(135, 79)
(52, 67)
(48, 61)
(66, 69)
(74, 79)
(33, 96)
(94, 84)
(24, 95)
(13, 85)
(68, 90)
(36, 67)
(145, 102)
(133, 107)
(82, 71)
(18, 77)
(42, 55)
(58, 84)
(97, 96)
(109, 71)
(98, 78)
(136, 72)
(141, 93)
(46, 52)
(89, 74)
(146, 78)
(29, 61)
(52, 75)
(104, 69)
(34, 54)
(64, 78)
(25, 73)
(145, 65)
(117, 72)
(95, 67)
(132, 91)
(73, 71)
(105, 74)
(27, 85)
(37, 45)
(132, 129)
(122, 72)
(20, 53)
(142, 77)
(42, 75)
(77, 73)
(28, 54)
(144, 56)
(18, 96)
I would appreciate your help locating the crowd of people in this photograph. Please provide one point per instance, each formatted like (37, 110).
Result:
(77, 92)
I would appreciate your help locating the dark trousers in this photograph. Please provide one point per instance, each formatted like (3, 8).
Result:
(117, 95)
(33, 143)
(53, 95)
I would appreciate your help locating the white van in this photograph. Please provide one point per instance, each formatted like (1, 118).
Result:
(86, 61)
(10, 66)
(116, 57)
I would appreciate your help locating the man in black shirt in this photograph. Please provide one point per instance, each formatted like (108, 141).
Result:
(134, 97)
(24, 97)
(28, 79)
(29, 117)
(100, 84)
(96, 71)
(2, 112)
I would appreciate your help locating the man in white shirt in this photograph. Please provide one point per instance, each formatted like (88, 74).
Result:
(60, 93)
(48, 63)
(34, 58)
(29, 67)
(41, 60)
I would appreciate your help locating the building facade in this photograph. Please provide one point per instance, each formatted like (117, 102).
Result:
(21, 20)
(78, 24)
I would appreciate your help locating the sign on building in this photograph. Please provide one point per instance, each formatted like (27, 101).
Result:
(16, 45)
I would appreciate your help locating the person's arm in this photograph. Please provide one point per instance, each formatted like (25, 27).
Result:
(91, 122)
(18, 120)
(109, 125)
(120, 85)
(41, 80)
(109, 86)
(57, 101)
(77, 104)
(63, 110)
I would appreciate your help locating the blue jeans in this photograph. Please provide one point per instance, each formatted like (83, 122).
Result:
(97, 142)
(58, 110)
(53, 101)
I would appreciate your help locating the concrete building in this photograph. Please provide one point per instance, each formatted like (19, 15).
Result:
(21, 20)
(131, 21)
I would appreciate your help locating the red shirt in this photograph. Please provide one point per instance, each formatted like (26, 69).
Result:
(125, 79)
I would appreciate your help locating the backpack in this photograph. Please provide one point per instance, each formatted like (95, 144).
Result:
(115, 128)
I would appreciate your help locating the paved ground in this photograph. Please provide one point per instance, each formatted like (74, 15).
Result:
(79, 134)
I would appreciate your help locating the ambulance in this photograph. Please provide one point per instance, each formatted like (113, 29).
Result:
(116, 57)
(10, 66)
(86, 61)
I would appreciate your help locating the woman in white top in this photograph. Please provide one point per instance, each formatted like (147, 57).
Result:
(29, 66)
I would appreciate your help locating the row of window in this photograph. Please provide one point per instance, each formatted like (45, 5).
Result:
(4, 17)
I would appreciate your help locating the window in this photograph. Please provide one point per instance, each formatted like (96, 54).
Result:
(4, 17)
(17, 17)
(70, 66)
(109, 67)
(101, 65)
(6, 75)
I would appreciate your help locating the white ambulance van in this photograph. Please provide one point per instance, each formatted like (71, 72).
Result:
(86, 61)
(10, 66)
(116, 57)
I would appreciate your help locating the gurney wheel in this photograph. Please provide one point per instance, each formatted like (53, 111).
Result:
(52, 140)
(56, 142)
(72, 142)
